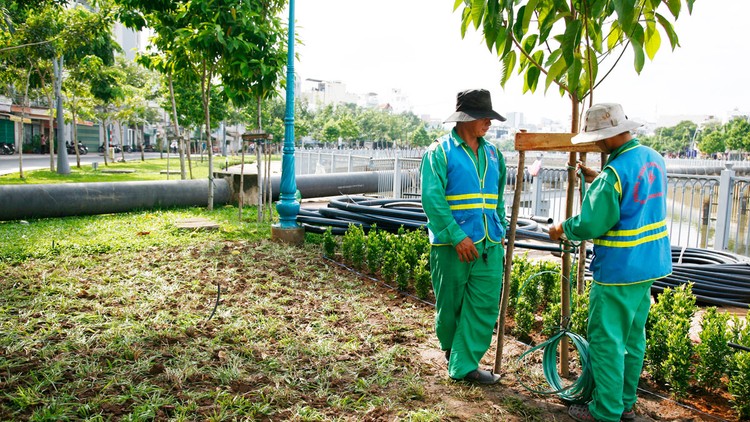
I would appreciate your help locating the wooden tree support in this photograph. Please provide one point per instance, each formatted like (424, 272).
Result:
(540, 142)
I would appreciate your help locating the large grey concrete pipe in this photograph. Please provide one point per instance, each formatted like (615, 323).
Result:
(331, 184)
(61, 200)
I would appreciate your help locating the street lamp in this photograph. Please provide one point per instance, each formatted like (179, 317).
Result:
(288, 230)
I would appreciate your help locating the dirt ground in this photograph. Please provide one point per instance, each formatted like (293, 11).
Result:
(654, 400)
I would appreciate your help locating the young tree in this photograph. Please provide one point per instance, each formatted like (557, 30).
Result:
(568, 42)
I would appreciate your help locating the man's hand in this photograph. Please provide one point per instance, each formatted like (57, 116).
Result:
(556, 231)
(589, 174)
(466, 250)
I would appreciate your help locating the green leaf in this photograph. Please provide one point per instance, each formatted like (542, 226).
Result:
(639, 57)
(509, 62)
(518, 25)
(529, 10)
(653, 40)
(570, 41)
(502, 36)
(573, 76)
(531, 79)
(547, 19)
(529, 43)
(674, 7)
(554, 72)
(456, 4)
(477, 11)
(615, 36)
(465, 19)
(669, 29)
(625, 10)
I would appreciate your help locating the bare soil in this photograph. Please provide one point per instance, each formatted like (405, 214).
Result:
(654, 400)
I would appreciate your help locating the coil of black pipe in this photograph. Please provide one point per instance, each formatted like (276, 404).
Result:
(719, 278)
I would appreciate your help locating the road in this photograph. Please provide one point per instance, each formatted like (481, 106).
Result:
(9, 163)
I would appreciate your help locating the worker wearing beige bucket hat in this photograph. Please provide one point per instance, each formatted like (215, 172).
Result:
(624, 211)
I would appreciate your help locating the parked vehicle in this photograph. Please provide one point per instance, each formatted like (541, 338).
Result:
(7, 149)
(115, 147)
(82, 149)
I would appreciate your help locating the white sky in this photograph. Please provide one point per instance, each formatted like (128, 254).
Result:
(416, 46)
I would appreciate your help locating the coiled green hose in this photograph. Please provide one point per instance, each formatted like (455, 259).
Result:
(582, 388)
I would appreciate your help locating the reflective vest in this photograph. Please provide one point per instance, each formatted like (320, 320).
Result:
(472, 200)
(637, 248)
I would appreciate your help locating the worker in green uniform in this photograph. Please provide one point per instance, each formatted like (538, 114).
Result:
(463, 177)
(624, 211)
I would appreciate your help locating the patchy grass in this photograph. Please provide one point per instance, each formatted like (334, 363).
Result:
(107, 317)
(115, 317)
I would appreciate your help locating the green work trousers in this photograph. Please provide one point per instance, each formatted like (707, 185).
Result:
(617, 344)
(467, 297)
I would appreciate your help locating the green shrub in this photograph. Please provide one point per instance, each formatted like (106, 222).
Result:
(403, 271)
(739, 334)
(422, 281)
(713, 352)
(329, 243)
(579, 314)
(739, 385)
(524, 317)
(375, 241)
(669, 349)
(549, 281)
(353, 246)
(551, 319)
(517, 271)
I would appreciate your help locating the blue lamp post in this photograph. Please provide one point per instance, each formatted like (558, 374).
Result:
(288, 207)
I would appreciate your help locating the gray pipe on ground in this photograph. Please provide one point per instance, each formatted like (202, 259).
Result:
(61, 200)
(331, 184)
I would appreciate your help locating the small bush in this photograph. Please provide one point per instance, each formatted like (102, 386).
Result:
(329, 243)
(524, 318)
(739, 385)
(713, 352)
(422, 281)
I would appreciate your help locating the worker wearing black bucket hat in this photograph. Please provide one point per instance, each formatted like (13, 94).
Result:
(463, 177)
(624, 211)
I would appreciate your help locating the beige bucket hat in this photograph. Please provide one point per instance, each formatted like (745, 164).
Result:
(604, 121)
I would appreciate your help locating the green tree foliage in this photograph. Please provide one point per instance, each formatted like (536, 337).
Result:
(566, 43)
(711, 140)
(738, 134)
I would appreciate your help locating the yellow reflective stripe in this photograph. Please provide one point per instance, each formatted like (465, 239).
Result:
(466, 196)
(473, 206)
(463, 197)
(630, 243)
(634, 232)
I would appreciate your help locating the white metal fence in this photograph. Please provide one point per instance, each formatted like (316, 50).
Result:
(704, 211)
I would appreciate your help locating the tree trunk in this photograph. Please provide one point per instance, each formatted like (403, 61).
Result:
(206, 92)
(258, 156)
(23, 128)
(75, 139)
(177, 129)
(139, 138)
(63, 167)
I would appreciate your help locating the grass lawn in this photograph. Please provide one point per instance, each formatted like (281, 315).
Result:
(133, 170)
(107, 318)
(115, 317)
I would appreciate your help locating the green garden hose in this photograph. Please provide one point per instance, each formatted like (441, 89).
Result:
(581, 389)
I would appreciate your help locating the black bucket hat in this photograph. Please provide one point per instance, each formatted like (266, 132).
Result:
(473, 104)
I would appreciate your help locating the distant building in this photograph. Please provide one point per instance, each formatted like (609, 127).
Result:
(320, 93)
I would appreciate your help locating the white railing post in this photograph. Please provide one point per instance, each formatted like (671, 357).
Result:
(537, 198)
(723, 214)
(350, 165)
(396, 177)
(333, 163)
